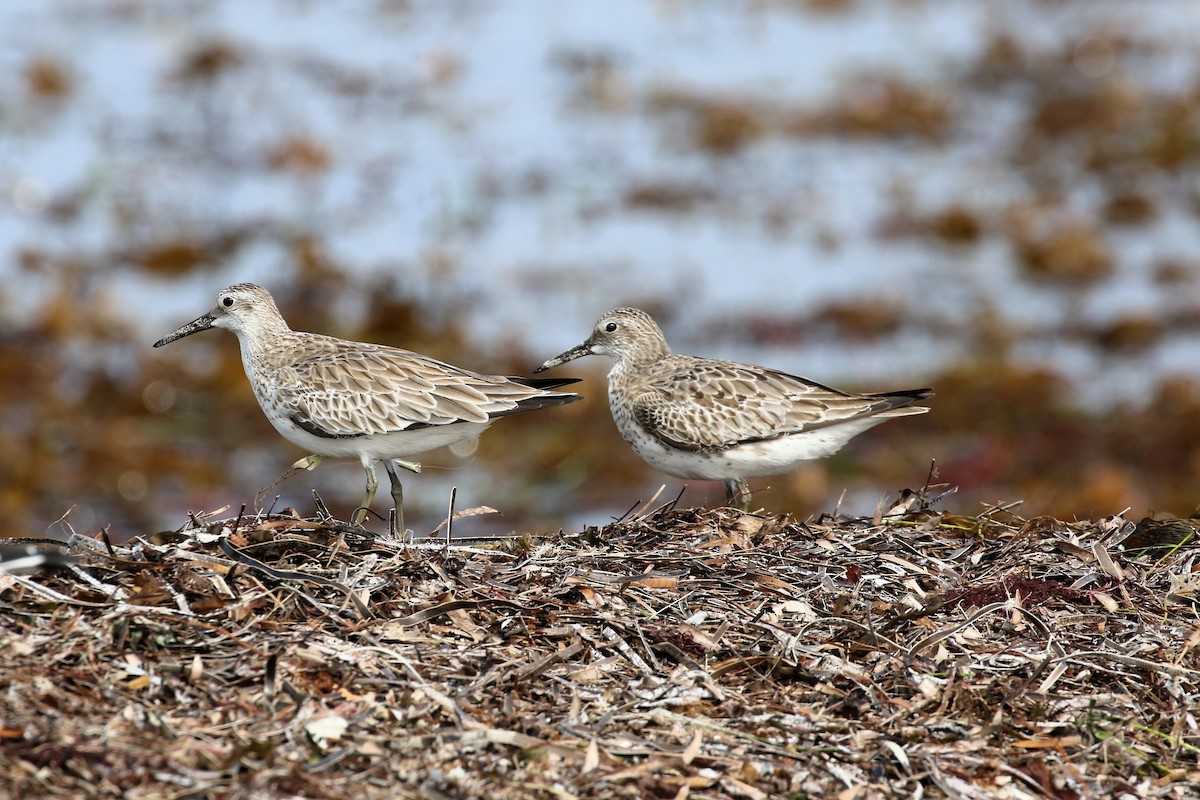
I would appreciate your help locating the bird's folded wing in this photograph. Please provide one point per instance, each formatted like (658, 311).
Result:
(383, 390)
(720, 404)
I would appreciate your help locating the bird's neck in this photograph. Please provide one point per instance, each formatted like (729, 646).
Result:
(265, 344)
(632, 365)
(644, 358)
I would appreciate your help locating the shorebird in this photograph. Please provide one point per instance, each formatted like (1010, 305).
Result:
(703, 419)
(342, 399)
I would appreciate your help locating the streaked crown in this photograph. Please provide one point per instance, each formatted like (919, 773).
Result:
(246, 307)
(628, 335)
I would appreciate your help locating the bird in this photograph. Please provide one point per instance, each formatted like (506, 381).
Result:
(705, 419)
(343, 399)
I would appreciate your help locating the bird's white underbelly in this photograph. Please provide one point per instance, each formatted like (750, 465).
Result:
(374, 447)
(379, 446)
(751, 460)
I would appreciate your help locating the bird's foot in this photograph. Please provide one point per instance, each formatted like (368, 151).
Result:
(309, 462)
(303, 465)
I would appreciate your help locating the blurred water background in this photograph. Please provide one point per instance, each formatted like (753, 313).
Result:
(998, 198)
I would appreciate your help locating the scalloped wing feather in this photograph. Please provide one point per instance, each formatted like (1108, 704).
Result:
(704, 405)
(371, 389)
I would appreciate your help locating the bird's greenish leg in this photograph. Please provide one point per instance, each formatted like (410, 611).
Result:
(398, 490)
(360, 513)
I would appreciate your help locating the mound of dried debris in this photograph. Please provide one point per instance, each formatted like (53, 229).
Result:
(705, 653)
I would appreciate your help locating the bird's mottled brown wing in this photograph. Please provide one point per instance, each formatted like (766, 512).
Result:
(367, 389)
(701, 404)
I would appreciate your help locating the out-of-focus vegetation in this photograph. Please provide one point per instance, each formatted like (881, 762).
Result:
(1095, 158)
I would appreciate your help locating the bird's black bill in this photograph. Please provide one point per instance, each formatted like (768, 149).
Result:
(195, 326)
(578, 351)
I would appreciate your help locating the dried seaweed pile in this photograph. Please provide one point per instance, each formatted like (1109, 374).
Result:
(703, 653)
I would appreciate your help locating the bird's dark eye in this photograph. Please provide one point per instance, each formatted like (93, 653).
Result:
(227, 301)
(610, 327)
